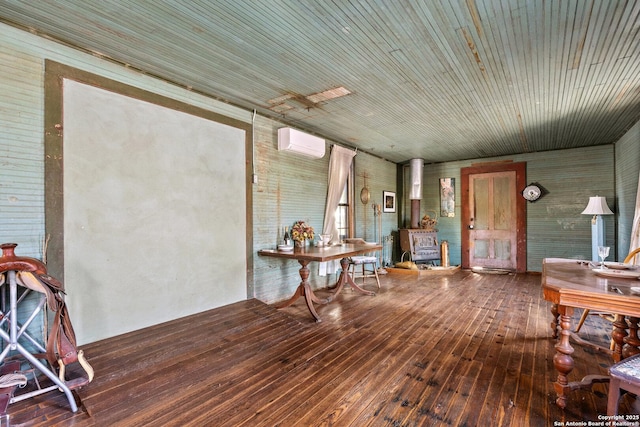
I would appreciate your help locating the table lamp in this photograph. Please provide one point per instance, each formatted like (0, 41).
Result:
(597, 207)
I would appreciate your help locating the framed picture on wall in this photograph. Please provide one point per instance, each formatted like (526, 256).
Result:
(447, 197)
(388, 201)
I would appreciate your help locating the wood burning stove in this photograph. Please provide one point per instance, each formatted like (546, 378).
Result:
(422, 245)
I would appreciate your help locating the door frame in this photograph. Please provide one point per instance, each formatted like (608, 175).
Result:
(520, 169)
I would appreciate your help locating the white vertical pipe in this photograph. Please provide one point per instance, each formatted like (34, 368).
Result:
(415, 192)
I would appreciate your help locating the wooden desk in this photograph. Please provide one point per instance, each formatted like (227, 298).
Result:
(570, 284)
(322, 254)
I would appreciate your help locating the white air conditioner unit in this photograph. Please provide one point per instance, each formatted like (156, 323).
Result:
(299, 142)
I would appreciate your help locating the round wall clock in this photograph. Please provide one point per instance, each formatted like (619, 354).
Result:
(532, 192)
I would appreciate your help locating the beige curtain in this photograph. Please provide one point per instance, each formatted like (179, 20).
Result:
(339, 167)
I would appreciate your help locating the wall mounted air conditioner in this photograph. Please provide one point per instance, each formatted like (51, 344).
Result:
(299, 142)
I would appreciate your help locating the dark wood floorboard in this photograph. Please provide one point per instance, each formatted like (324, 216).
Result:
(464, 349)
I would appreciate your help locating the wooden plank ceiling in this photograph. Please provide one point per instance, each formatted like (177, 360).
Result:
(439, 80)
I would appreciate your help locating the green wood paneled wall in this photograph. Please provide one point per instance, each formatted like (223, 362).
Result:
(292, 187)
(555, 227)
(627, 154)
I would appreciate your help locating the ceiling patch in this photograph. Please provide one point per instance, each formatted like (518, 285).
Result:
(280, 99)
(281, 108)
(307, 102)
(328, 94)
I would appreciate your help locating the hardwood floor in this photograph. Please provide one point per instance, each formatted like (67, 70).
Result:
(460, 350)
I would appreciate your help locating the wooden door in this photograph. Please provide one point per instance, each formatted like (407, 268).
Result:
(493, 228)
(492, 220)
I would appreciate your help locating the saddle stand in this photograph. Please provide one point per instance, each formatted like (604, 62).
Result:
(60, 350)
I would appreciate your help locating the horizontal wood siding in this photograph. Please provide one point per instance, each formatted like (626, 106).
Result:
(627, 154)
(448, 227)
(21, 140)
(290, 187)
(21, 151)
(293, 187)
(380, 176)
(555, 226)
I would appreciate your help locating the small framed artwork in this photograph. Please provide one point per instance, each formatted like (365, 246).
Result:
(447, 197)
(388, 201)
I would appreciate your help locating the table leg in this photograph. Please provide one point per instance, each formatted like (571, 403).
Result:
(304, 290)
(345, 277)
(618, 335)
(554, 322)
(562, 360)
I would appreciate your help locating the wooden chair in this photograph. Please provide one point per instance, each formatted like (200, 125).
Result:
(623, 375)
(632, 256)
(363, 261)
(607, 316)
(626, 373)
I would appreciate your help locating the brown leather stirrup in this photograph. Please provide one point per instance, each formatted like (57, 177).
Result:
(61, 349)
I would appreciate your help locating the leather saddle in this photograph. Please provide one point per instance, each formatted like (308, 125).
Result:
(61, 348)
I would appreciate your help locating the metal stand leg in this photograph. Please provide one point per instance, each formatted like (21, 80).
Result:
(14, 334)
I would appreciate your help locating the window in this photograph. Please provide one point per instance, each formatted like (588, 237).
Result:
(344, 211)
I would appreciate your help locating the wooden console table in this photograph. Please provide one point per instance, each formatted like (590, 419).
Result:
(570, 284)
(322, 254)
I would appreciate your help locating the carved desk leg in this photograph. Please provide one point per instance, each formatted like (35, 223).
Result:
(344, 263)
(554, 322)
(562, 360)
(618, 335)
(345, 279)
(304, 290)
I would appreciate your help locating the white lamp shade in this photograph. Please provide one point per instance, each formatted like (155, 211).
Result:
(597, 206)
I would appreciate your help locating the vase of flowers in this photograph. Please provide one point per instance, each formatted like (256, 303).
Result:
(300, 233)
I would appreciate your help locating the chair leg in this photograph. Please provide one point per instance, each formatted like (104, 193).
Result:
(585, 313)
(375, 271)
(365, 273)
(614, 396)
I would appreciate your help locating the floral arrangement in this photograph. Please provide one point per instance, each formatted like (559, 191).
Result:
(301, 231)
(428, 222)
